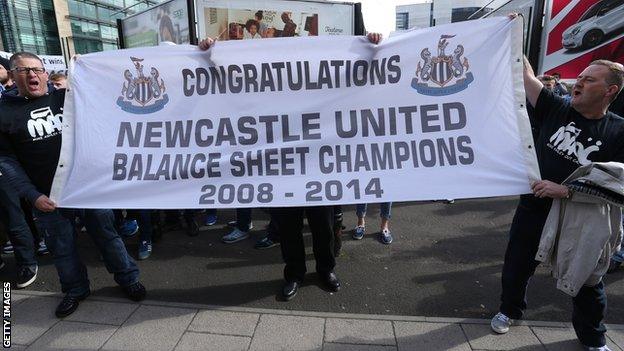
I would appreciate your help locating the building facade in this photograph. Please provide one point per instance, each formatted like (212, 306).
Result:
(436, 12)
(64, 27)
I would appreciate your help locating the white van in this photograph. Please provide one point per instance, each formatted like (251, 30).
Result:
(602, 18)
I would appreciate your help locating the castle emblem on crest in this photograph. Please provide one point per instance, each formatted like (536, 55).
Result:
(443, 74)
(142, 94)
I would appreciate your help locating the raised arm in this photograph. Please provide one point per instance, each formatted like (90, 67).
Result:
(532, 85)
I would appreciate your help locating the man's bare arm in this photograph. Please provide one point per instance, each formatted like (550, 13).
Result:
(532, 85)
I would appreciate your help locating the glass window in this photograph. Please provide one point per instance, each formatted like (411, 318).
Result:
(402, 20)
(27, 39)
(108, 32)
(109, 46)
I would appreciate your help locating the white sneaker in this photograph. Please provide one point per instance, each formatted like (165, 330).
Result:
(602, 348)
(235, 236)
(500, 323)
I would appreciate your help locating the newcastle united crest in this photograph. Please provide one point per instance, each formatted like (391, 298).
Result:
(142, 94)
(443, 74)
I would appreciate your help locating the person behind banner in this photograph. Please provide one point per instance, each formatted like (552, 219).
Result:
(59, 80)
(31, 118)
(591, 134)
(289, 222)
(251, 30)
(6, 82)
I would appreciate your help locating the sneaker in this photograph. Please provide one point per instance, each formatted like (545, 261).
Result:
(601, 348)
(42, 248)
(613, 266)
(500, 323)
(145, 249)
(211, 219)
(129, 228)
(26, 276)
(234, 223)
(265, 243)
(385, 237)
(358, 234)
(235, 236)
(7, 248)
(135, 292)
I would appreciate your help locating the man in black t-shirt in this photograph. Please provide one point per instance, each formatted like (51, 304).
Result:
(31, 120)
(570, 135)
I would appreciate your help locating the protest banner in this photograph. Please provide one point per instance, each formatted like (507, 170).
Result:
(431, 114)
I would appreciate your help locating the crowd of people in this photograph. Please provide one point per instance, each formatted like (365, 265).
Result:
(28, 160)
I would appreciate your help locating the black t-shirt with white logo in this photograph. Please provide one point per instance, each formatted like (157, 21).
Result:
(30, 129)
(568, 140)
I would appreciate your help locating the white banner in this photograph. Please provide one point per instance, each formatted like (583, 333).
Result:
(431, 114)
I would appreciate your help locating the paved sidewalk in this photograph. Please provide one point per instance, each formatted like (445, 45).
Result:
(102, 323)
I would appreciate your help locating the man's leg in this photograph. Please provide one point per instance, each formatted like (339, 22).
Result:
(290, 223)
(524, 236)
(321, 222)
(18, 230)
(590, 306)
(101, 226)
(60, 236)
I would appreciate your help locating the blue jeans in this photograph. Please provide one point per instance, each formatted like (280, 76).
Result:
(19, 233)
(385, 208)
(60, 236)
(619, 256)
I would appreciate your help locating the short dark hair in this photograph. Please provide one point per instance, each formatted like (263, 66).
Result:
(259, 15)
(250, 23)
(57, 76)
(20, 55)
(616, 73)
(546, 78)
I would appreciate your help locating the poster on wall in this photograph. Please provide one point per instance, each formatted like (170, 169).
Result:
(52, 63)
(580, 31)
(168, 22)
(257, 19)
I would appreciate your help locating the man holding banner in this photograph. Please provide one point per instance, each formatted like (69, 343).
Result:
(30, 142)
(596, 136)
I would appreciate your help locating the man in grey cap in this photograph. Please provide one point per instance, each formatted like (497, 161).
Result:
(5, 79)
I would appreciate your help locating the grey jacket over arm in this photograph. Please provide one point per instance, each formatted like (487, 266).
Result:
(582, 232)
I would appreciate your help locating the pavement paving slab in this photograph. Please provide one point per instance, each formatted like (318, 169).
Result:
(202, 341)
(224, 322)
(354, 331)
(151, 328)
(288, 333)
(423, 336)
(481, 337)
(73, 336)
(32, 318)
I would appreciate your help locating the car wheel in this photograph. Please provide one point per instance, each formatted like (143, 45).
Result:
(592, 38)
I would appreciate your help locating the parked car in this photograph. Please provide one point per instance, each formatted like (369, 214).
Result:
(601, 19)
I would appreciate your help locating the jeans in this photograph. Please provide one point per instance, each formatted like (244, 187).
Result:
(243, 219)
(618, 256)
(385, 208)
(60, 236)
(589, 305)
(19, 232)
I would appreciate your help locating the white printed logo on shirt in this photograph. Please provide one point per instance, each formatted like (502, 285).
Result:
(564, 142)
(43, 123)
